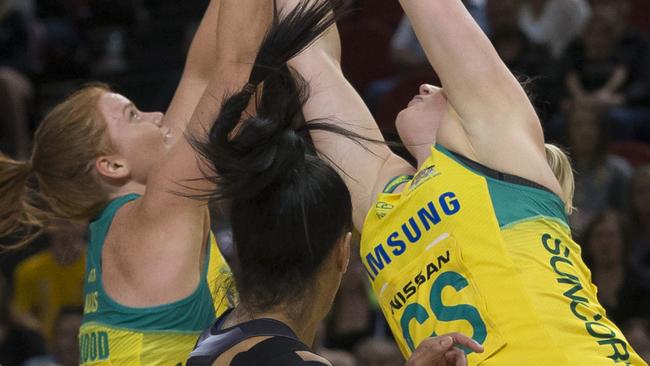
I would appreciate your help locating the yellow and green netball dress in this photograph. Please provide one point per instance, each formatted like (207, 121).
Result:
(467, 249)
(112, 334)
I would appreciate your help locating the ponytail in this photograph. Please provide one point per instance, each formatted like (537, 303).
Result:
(561, 166)
(21, 219)
(268, 144)
(288, 208)
(59, 179)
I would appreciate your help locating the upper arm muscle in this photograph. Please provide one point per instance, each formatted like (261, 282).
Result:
(359, 162)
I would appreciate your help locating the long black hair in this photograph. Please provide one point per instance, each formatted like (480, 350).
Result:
(288, 208)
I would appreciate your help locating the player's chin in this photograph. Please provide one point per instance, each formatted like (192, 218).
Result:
(401, 119)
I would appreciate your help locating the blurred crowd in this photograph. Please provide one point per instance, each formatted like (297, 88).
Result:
(585, 64)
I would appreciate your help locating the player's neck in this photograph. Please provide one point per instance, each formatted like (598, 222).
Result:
(303, 323)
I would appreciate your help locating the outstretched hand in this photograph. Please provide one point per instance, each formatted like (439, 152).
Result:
(441, 351)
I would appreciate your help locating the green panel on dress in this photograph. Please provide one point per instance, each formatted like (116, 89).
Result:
(514, 203)
(189, 315)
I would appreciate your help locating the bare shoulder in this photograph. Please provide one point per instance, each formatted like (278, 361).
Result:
(135, 229)
(135, 248)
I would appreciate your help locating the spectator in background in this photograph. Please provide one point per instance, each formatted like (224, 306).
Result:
(408, 56)
(596, 72)
(337, 357)
(15, 95)
(16, 60)
(111, 21)
(26, 7)
(606, 249)
(61, 36)
(608, 68)
(553, 23)
(406, 51)
(17, 343)
(601, 179)
(641, 223)
(52, 279)
(502, 15)
(65, 350)
(16, 39)
(378, 352)
(522, 56)
(632, 113)
(529, 61)
(637, 332)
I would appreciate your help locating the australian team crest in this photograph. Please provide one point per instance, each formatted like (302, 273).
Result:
(423, 176)
(383, 208)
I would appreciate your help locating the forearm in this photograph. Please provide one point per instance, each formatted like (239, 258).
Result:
(199, 67)
(224, 34)
(203, 49)
(241, 27)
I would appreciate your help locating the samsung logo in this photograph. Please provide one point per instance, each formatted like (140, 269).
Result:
(410, 232)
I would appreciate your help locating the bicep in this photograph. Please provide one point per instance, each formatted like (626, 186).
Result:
(332, 97)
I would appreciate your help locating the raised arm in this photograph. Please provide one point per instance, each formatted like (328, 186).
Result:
(491, 119)
(365, 167)
(477, 83)
(199, 67)
(241, 27)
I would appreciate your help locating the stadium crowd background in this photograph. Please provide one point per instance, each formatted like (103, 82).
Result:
(585, 63)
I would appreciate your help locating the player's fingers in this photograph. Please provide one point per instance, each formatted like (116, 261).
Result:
(465, 341)
(431, 351)
(456, 357)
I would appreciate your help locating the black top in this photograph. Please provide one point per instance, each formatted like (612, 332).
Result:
(276, 351)
(279, 350)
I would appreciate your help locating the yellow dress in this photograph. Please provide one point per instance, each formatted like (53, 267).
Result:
(467, 249)
(112, 334)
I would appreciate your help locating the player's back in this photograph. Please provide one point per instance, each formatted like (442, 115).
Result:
(113, 334)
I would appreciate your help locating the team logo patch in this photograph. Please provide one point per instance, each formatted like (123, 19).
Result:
(423, 176)
(382, 209)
